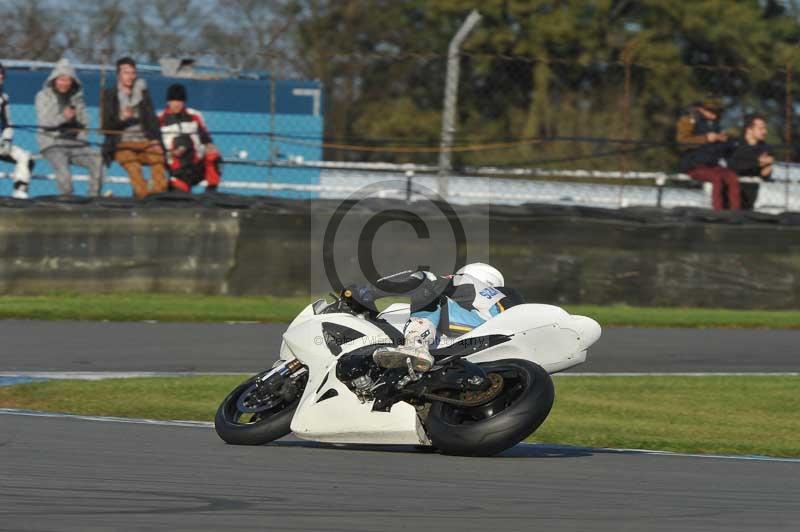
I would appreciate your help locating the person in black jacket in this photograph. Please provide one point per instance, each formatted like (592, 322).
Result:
(133, 134)
(752, 157)
(702, 145)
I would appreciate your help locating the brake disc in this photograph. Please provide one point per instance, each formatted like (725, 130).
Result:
(251, 402)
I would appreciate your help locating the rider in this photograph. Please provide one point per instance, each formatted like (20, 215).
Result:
(444, 307)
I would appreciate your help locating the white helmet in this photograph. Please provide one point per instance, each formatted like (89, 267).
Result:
(483, 272)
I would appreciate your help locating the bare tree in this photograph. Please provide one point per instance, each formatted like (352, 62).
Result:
(246, 34)
(31, 30)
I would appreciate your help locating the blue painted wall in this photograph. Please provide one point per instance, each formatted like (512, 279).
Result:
(232, 108)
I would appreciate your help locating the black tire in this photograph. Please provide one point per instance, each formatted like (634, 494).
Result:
(268, 426)
(519, 409)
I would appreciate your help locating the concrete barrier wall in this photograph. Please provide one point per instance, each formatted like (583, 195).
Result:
(574, 255)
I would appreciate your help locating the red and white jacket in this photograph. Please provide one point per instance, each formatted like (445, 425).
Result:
(187, 122)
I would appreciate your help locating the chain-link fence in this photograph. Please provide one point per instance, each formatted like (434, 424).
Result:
(257, 122)
(527, 129)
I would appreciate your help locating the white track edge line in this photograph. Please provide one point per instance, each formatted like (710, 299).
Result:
(107, 419)
(544, 446)
(97, 375)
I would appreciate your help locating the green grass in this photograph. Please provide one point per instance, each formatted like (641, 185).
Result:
(190, 308)
(722, 414)
(159, 307)
(726, 414)
(185, 398)
(623, 315)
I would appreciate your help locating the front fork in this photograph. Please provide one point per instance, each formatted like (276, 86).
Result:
(272, 381)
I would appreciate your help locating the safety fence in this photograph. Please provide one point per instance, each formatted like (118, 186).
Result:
(580, 132)
(251, 118)
(606, 189)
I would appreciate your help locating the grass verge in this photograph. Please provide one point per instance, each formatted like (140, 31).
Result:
(159, 307)
(724, 415)
(191, 308)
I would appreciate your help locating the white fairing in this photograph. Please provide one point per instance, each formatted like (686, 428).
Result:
(544, 334)
(342, 418)
(330, 412)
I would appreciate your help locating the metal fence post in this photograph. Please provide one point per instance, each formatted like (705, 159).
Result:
(450, 100)
(787, 132)
(627, 55)
(272, 104)
(102, 83)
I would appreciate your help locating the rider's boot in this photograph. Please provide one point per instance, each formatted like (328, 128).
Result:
(419, 333)
(397, 357)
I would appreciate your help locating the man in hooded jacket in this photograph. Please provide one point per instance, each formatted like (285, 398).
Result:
(62, 117)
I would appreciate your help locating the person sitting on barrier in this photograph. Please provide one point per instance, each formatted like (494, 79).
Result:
(702, 145)
(441, 308)
(9, 152)
(62, 119)
(133, 135)
(191, 154)
(752, 157)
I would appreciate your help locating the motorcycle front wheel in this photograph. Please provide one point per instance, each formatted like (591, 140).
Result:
(485, 430)
(248, 417)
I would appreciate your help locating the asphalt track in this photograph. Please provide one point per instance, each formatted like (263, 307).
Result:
(73, 474)
(178, 347)
(76, 475)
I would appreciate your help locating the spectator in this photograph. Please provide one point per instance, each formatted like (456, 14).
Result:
(191, 155)
(133, 137)
(8, 151)
(61, 114)
(752, 157)
(703, 145)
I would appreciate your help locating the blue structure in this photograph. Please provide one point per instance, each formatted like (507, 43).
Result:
(236, 110)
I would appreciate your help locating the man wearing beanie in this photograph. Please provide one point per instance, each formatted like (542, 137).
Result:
(8, 151)
(191, 155)
(132, 133)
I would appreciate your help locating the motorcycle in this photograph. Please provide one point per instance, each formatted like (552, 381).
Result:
(486, 392)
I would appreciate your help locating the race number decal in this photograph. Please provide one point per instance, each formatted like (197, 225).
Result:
(489, 293)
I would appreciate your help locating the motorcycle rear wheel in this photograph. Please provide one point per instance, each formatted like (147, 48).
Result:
(234, 427)
(488, 429)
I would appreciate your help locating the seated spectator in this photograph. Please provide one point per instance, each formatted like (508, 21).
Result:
(62, 117)
(191, 155)
(702, 146)
(752, 157)
(133, 137)
(8, 151)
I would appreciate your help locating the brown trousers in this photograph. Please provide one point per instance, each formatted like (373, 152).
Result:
(131, 155)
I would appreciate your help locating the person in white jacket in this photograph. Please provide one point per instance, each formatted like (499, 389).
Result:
(9, 152)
